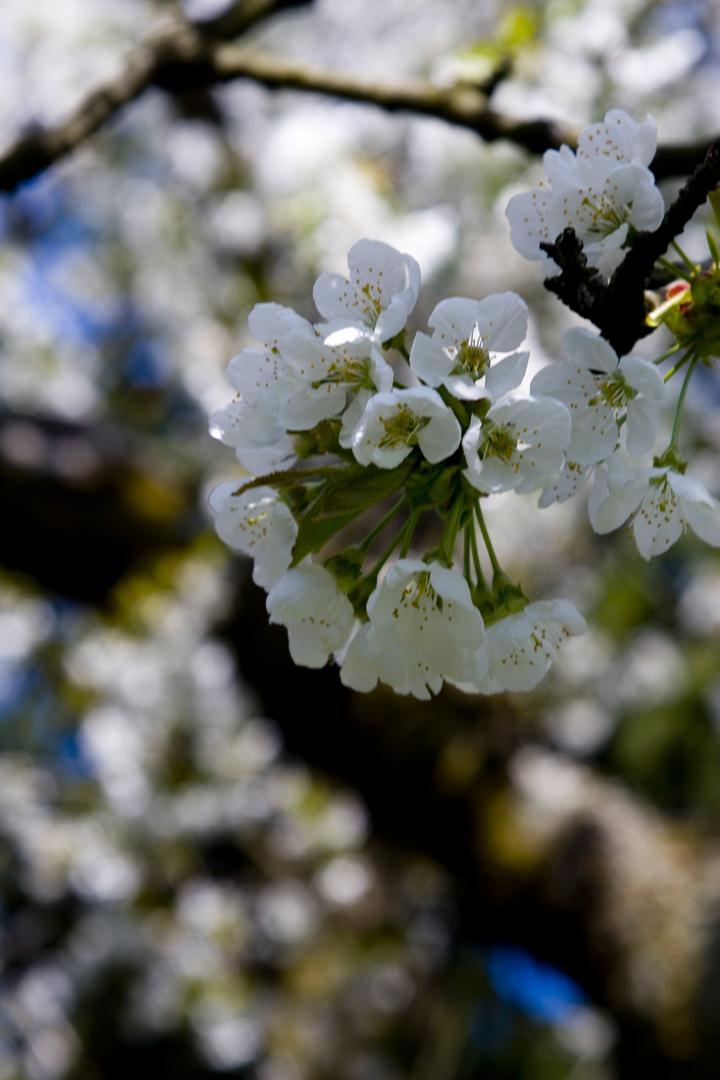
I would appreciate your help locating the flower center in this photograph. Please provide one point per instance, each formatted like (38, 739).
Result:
(498, 441)
(419, 593)
(663, 499)
(614, 392)
(353, 373)
(472, 358)
(374, 300)
(607, 216)
(401, 429)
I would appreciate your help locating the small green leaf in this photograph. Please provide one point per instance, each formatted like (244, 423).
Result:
(350, 491)
(432, 486)
(714, 200)
(362, 487)
(314, 534)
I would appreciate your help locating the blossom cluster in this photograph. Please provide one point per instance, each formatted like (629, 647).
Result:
(346, 417)
(458, 430)
(607, 194)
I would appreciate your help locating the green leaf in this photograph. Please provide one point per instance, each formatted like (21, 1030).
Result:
(714, 200)
(348, 492)
(313, 535)
(432, 485)
(362, 487)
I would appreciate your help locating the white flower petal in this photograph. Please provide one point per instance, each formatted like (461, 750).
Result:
(642, 426)
(380, 293)
(441, 438)
(502, 318)
(572, 478)
(259, 524)
(429, 360)
(520, 648)
(619, 502)
(318, 616)
(507, 374)
(427, 610)
(590, 350)
(599, 192)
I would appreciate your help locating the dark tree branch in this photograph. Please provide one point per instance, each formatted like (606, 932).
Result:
(177, 57)
(187, 56)
(241, 16)
(617, 307)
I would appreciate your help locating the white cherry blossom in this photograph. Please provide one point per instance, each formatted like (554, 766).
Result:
(264, 380)
(259, 524)
(379, 294)
(252, 428)
(617, 140)
(262, 373)
(393, 423)
(600, 389)
(330, 369)
(662, 505)
(469, 337)
(572, 478)
(362, 667)
(601, 192)
(427, 611)
(318, 616)
(520, 648)
(518, 446)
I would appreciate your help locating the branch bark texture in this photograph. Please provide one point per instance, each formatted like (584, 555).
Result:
(617, 307)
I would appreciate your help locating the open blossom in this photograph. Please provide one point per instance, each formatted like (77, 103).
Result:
(662, 505)
(258, 523)
(252, 428)
(362, 667)
(519, 649)
(261, 373)
(379, 294)
(469, 338)
(601, 192)
(518, 446)
(317, 614)
(572, 478)
(600, 390)
(329, 370)
(426, 612)
(251, 423)
(393, 423)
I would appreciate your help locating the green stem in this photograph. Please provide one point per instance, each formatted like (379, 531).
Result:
(361, 591)
(681, 401)
(670, 352)
(452, 528)
(409, 529)
(688, 262)
(457, 407)
(486, 537)
(676, 271)
(472, 537)
(382, 525)
(676, 367)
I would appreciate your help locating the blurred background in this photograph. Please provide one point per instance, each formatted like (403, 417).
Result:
(214, 864)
